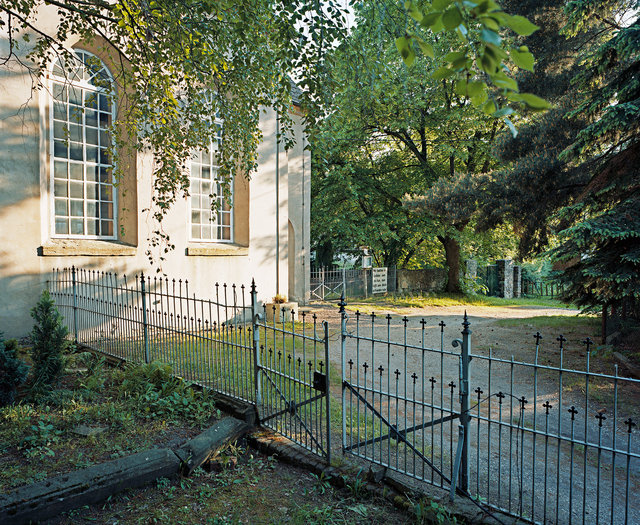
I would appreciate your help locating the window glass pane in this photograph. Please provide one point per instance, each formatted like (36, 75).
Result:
(92, 209)
(75, 115)
(62, 226)
(60, 189)
(92, 154)
(60, 170)
(77, 227)
(105, 176)
(104, 139)
(59, 92)
(75, 190)
(92, 136)
(60, 111)
(92, 227)
(226, 233)
(104, 156)
(60, 130)
(91, 117)
(60, 149)
(91, 99)
(106, 192)
(92, 191)
(105, 104)
(106, 210)
(77, 208)
(75, 95)
(206, 232)
(75, 133)
(91, 173)
(75, 151)
(75, 171)
(106, 228)
(195, 232)
(105, 120)
(61, 207)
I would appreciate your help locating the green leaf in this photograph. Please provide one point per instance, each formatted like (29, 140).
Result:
(523, 60)
(475, 89)
(440, 5)
(487, 64)
(481, 98)
(489, 107)
(407, 54)
(426, 48)
(503, 81)
(490, 37)
(413, 11)
(534, 101)
(453, 56)
(490, 22)
(452, 18)
(442, 72)
(461, 88)
(519, 24)
(431, 19)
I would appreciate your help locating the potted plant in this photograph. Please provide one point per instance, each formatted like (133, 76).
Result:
(279, 309)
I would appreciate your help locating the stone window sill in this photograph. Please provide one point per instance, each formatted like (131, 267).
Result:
(85, 247)
(216, 250)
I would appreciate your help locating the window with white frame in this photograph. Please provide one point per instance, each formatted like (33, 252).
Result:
(81, 112)
(210, 213)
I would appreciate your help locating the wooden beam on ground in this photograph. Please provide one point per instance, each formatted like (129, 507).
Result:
(52, 496)
(206, 445)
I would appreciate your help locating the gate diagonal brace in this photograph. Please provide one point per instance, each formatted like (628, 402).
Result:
(394, 432)
(289, 410)
(399, 435)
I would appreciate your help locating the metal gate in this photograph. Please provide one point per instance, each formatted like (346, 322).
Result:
(396, 412)
(292, 385)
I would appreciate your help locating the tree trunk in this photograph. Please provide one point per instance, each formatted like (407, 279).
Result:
(452, 254)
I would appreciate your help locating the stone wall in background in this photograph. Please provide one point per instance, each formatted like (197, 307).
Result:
(428, 280)
(517, 281)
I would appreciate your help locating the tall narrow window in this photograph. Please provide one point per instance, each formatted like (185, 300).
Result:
(211, 216)
(82, 109)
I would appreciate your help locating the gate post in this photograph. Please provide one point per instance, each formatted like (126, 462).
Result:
(343, 339)
(145, 326)
(327, 392)
(465, 418)
(255, 317)
(75, 304)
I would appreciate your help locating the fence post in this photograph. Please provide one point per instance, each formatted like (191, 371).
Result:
(255, 317)
(465, 418)
(328, 389)
(344, 282)
(145, 326)
(322, 282)
(75, 304)
(343, 341)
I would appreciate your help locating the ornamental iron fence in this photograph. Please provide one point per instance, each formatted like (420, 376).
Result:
(327, 284)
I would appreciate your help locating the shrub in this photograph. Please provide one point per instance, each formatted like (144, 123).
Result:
(13, 372)
(49, 342)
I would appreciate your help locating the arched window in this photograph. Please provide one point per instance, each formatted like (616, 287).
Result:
(81, 111)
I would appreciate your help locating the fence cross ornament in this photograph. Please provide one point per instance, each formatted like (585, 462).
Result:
(414, 376)
(561, 339)
(573, 412)
(442, 324)
(501, 396)
(630, 424)
(600, 417)
(548, 406)
(588, 342)
(538, 337)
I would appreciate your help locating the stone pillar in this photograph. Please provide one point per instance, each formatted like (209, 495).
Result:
(505, 278)
(471, 268)
(517, 281)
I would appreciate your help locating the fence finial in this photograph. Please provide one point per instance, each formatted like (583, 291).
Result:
(253, 285)
(342, 303)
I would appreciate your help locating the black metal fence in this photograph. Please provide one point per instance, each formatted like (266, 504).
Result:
(223, 343)
(539, 288)
(537, 439)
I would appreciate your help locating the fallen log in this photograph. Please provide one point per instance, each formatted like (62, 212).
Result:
(206, 445)
(52, 496)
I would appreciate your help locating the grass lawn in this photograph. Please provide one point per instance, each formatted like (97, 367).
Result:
(392, 302)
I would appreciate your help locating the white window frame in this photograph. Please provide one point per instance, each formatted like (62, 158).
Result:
(84, 85)
(215, 224)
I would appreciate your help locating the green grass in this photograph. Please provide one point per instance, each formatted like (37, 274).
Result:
(398, 302)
